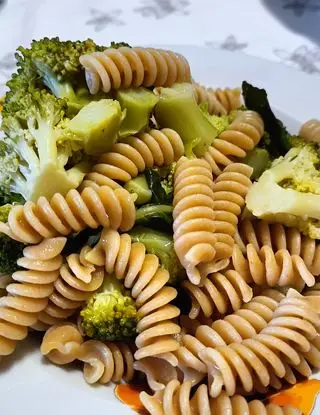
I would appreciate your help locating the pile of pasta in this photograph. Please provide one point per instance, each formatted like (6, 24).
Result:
(253, 323)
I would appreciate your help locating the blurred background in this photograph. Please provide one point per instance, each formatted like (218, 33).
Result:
(285, 31)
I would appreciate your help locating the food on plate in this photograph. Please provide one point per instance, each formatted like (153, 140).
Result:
(154, 227)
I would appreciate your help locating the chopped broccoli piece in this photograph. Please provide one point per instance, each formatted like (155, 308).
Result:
(256, 99)
(111, 313)
(155, 216)
(220, 123)
(289, 192)
(37, 147)
(160, 182)
(140, 187)
(10, 250)
(259, 160)
(97, 125)
(161, 245)
(138, 104)
(178, 109)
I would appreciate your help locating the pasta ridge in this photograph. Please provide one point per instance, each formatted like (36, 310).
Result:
(310, 131)
(61, 215)
(28, 294)
(132, 155)
(241, 136)
(219, 101)
(133, 67)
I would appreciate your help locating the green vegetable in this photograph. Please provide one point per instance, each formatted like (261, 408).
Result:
(140, 187)
(10, 250)
(155, 216)
(289, 192)
(97, 125)
(160, 182)
(259, 160)
(161, 245)
(37, 146)
(279, 140)
(220, 123)
(177, 109)
(138, 104)
(111, 313)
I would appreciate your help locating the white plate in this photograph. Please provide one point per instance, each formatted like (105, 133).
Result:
(28, 383)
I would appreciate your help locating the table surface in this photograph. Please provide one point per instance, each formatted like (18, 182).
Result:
(286, 31)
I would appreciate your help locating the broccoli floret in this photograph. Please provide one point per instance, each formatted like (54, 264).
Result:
(57, 64)
(220, 123)
(259, 160)
(139, 186)
(138, 104)
(110, 314)
(160, 244)
(10, 250)
(178, 109)
(289, 192)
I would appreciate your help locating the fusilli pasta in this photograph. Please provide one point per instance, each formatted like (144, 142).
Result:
(193, 216)
(61, 343)
(219, 101)
(132, 67)
(62, 215)
(242, 135)
(28, 295)
(278, 345)
(147, 281)
(310, 131)
(176, 399)
(77, 281)
(133, 155)
(229, 192)
(221, 291)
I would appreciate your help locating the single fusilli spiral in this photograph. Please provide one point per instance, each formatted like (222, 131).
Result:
(61, 343)
(229, 192)
(310, 131)
(133, 155)
(220, 292)
(106, 362)
(259, 233)
(242, 135)
(31, 222)
(193, 216)
(176, 399)
(132, 67)
(219, 101)
(147, 281)
(279, 344)
(77, 281)
(28, 295)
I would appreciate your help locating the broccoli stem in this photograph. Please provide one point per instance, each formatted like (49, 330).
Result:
(140, 187)
(178, 109)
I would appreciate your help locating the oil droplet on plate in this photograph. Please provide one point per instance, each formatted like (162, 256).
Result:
(302, 396)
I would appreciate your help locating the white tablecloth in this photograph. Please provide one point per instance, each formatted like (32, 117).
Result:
(282, 30)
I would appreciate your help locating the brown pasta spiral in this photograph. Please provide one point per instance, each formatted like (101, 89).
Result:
(276, 347)
(77, 281)
(219, 101)
(62, 215)
(133, 155)
(28, 295)
(147, 281)
(242, 135)
(176, 399)
(229, 190)
(221, 291)
(193, 216)
(259, 233)
(310, 131)
(132, 67)
(61, 343)
(106, 362)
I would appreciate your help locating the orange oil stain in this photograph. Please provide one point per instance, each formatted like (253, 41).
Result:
(129, 395)
(302, 396)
